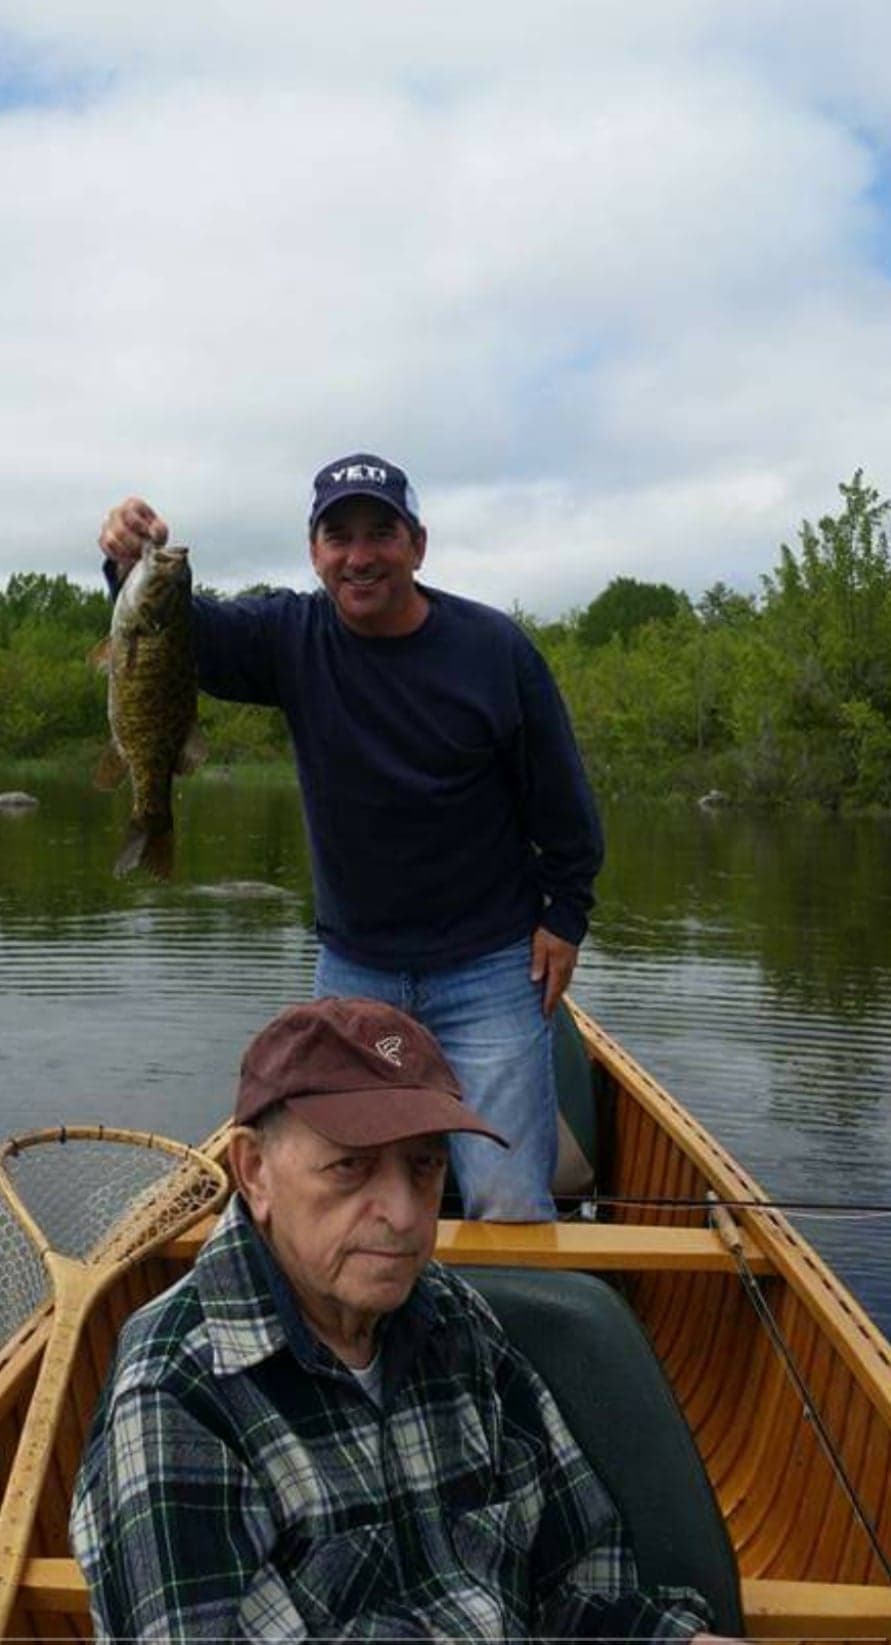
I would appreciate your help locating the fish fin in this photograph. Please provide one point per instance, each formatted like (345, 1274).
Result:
(111, 768)
(147, 845)
(100, 656)
(193, 753)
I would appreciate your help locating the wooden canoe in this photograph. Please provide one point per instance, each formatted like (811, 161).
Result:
(808, 1567)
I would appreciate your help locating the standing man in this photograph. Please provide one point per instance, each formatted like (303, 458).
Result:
(453, 835)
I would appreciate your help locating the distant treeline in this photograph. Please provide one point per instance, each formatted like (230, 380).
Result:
(775, 698)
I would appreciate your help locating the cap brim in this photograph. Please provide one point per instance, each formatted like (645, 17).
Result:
(365, 1118)
(359, 490)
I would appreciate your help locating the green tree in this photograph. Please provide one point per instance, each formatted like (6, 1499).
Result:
(722, 607)
(831, 602)
(625, 605)
(866, 740)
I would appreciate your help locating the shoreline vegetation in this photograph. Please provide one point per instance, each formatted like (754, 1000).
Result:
(776, 699)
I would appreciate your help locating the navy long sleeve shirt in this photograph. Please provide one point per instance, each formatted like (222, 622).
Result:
(447, 807)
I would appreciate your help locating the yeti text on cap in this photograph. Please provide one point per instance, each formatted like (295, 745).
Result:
(358, 471)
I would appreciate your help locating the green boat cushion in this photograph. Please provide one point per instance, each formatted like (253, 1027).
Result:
(590, 1349)
(577, 1139)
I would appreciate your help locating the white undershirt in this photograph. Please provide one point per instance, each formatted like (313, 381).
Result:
(371, 1378)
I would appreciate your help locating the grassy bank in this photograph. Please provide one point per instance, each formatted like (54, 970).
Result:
(73, 763)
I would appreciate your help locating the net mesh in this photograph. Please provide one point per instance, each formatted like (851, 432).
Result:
(76, 1190)
(97, 1199)
(25, 1284)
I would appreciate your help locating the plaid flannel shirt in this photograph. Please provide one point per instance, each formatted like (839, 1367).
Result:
(240, 1485)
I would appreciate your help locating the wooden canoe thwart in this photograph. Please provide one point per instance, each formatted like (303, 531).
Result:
(806, 1553)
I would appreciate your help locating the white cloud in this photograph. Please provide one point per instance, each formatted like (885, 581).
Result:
(603, 277)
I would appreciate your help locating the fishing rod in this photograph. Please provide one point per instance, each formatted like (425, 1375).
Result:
(717, 1210)
(729, 1234)
(804, 1207)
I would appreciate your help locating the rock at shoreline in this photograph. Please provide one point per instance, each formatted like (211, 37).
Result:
(241, 889)
(18, 802)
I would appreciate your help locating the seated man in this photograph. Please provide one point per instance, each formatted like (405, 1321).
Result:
(319, 1433)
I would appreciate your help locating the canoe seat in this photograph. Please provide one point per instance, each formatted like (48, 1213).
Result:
(587, 1345)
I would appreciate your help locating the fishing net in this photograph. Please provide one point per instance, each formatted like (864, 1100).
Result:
(92, 1194)
(89, 1202)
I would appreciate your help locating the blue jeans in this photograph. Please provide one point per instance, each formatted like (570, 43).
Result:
(488, 1019)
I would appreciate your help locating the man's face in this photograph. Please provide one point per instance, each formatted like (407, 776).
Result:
(351, 1227)
(367, 557)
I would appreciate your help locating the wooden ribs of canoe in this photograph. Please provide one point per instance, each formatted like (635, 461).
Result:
(807, 1565)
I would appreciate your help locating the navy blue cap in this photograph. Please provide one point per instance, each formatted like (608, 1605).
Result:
(363, 475)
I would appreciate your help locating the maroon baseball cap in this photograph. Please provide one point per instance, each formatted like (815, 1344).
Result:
(357, 1071)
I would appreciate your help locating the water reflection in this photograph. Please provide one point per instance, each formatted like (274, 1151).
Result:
(745, 961)
(808, 897)
(57, 860)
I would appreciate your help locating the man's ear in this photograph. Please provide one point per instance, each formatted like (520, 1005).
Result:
(247, 1162)
(420, 541)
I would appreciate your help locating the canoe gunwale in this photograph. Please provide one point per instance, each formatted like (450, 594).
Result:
(772, 1610)
(864, 1349)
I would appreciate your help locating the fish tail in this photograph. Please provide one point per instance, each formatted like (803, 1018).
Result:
(148, 844)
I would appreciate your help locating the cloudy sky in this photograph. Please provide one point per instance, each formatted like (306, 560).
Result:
(611, 278)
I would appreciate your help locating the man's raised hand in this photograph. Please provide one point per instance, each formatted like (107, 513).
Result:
(128, 528)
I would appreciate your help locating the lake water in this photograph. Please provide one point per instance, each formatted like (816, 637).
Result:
(745, 961)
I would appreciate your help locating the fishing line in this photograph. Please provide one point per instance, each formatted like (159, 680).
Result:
(728, 1232)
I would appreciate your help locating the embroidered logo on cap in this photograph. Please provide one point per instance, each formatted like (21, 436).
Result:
(355, 472)
(389, 1048)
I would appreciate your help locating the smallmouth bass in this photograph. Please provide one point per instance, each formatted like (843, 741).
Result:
(152, 702)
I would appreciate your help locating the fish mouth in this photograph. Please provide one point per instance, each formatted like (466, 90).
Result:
(171, 556)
